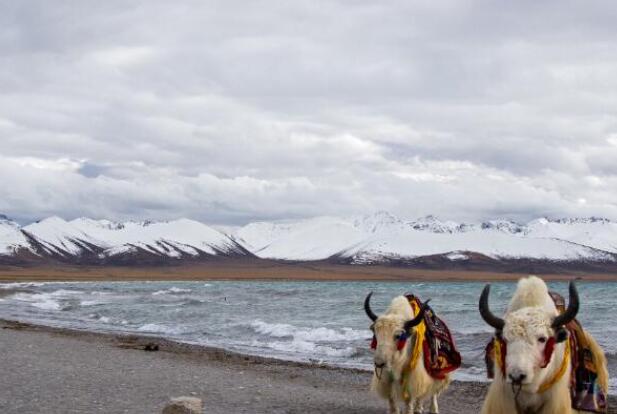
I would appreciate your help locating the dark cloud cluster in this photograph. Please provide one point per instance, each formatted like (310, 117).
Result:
(229, 111)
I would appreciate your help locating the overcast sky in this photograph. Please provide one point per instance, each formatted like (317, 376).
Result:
(235, 111)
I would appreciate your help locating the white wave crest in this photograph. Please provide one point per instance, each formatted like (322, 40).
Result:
(38, 300)
(171, 290)
(17, 285)
(321, 334)
(307, 349)
(158, 328)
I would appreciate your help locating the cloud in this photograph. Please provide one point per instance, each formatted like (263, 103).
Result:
(231, 111)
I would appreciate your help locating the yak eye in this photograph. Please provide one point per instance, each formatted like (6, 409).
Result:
(542, 339)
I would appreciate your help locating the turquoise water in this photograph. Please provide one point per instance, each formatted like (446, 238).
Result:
(304, 321)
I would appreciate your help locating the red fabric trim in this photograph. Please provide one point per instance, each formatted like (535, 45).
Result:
(548, 351)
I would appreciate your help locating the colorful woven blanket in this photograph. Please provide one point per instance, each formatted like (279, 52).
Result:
(586, 393)
(440, 354)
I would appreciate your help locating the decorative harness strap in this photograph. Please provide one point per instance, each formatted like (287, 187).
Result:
(561, 371)
(416, 350)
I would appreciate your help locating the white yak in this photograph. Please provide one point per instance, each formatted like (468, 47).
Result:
(532, 367)
(396, 377)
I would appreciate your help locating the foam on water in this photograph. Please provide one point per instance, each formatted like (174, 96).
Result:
(281, 330)
(43, 301)
(171, 290)
(19, 285)
(158, 328)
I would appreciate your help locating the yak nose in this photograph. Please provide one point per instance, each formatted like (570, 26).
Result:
(379, 361)
(517, 377)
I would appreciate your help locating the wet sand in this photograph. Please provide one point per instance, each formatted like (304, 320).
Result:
(59, 371)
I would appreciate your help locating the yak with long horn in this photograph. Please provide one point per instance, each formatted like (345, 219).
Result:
(400, 343)
(532, 351)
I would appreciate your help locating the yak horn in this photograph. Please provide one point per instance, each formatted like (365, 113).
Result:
(367, 308)
(419, 317)
(487, 315)
(571, 311)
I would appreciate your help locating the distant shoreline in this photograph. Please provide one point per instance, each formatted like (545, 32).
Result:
(272, 271)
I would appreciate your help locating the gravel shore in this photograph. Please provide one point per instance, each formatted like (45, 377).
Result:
(56, 371)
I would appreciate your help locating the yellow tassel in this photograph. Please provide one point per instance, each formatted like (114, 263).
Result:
(416, 351)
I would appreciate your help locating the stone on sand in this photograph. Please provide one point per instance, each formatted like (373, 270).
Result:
(184, 405)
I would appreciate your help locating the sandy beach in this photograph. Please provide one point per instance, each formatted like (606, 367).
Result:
(57, 371)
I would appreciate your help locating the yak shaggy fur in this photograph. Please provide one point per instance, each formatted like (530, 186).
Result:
(529, 315)
(420, 385)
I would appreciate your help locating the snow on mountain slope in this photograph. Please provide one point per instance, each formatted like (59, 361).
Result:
(310, 239)
(11, 237)
(359, 239)
(492, 243)
(382, 235)
(60, 237)
(593, 232)
(173, 238)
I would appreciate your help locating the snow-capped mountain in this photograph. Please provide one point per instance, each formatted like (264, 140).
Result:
(11, 237)
(85, 240)
(369, 239)
(384, 237)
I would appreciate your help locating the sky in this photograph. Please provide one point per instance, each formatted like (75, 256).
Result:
(236, 111)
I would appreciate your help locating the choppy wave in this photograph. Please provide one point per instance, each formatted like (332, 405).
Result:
(310, 349)
(43, 301)
(171, 291)
(282, 330)
(20, 285)
(159, 329)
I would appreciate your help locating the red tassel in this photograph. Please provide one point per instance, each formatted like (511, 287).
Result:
(548, 351)
(374, 343)
(400, 344)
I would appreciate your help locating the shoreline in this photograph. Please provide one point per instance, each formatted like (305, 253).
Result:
(462, 397)
(274, 272)
(143, 341)
(151, 369)
(58, 369)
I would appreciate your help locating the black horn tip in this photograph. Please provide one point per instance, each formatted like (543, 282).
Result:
(485, 311)
(367, 307)
(572, 310)
(419, 317)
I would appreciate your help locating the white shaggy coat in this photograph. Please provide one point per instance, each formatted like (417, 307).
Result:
(529, 317)
(387, 382)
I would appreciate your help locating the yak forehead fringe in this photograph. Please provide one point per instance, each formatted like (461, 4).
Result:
(527, 323)
(532, 292)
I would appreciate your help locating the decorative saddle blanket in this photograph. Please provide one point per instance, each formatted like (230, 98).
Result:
(586, 393)
(440, 354)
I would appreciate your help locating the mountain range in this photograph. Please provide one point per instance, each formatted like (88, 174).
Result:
(380, 238)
